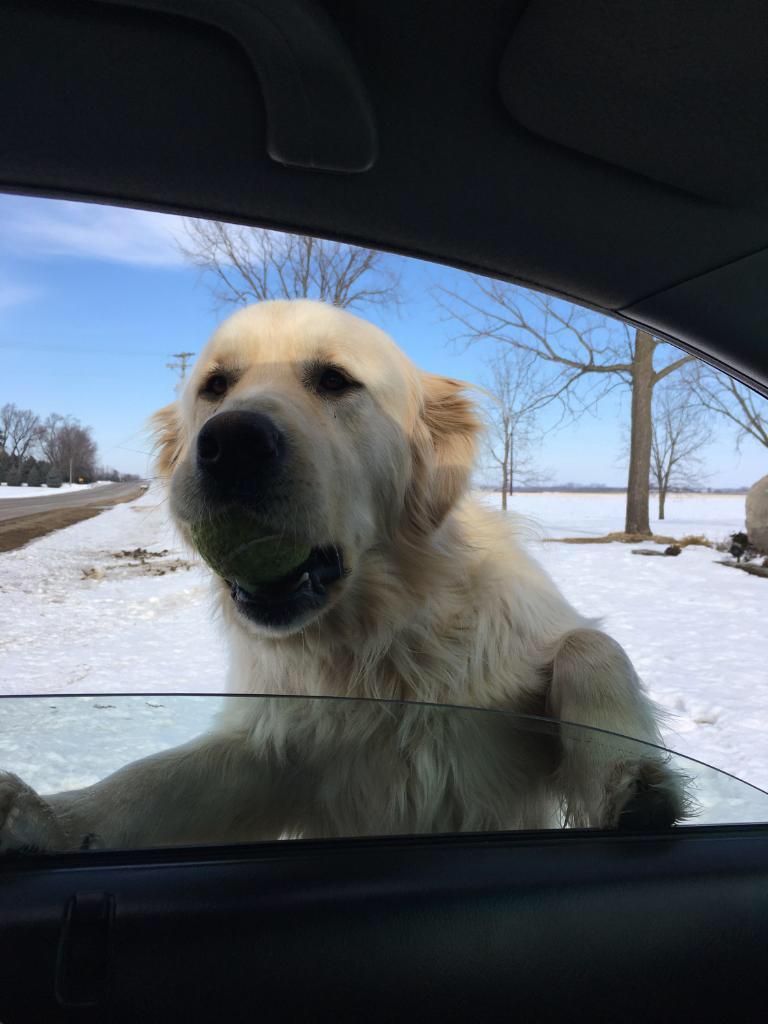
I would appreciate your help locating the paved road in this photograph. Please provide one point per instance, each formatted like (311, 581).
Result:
(16, 508)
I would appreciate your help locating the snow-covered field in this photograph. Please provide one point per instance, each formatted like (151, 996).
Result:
(564, 514)
(78, 616)
(82, 612)
(6, 491)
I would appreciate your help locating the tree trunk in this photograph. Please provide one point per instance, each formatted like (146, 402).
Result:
(663, 488)
(638, 484)
(505, 475)
(511, 460)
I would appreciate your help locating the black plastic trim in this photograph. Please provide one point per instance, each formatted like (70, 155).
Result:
(533, 927)
(318, 112)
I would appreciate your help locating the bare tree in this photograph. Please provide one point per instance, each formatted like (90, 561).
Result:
(591, 353)
(516, 393)
(742, 407)
(78, 452)
(69, 447)
(50, 438)
(253, 265)
(681, 428)
(19, 430)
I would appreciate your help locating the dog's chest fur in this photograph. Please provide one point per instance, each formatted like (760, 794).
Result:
(371, 768)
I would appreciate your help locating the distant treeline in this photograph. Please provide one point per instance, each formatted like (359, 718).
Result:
(604, 489)
(51, 451)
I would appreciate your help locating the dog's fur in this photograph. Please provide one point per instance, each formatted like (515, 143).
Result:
(439, 603)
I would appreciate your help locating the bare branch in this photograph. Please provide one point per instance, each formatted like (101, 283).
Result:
(516, 391)
(19, 431)
(671, 368)
(64, 441)
(245, 265)
(577, 342)
(743, 408)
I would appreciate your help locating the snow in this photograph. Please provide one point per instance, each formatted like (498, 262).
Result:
(60, 743)
(24, 491)
(121, 628)
(573, 514)
(78, 616)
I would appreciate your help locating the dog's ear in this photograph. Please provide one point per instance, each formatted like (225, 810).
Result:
(444, 448)
(167, 432)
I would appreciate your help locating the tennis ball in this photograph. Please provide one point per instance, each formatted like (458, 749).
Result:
(238, 549)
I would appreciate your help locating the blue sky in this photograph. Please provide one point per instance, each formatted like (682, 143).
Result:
(94, 300)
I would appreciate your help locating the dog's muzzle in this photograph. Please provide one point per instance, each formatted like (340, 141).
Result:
(240, 456)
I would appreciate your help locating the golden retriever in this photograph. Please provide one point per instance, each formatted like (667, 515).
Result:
(412, 592)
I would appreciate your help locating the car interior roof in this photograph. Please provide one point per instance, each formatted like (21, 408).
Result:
(613, 154)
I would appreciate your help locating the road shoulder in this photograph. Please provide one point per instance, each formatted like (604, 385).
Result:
(15, 533)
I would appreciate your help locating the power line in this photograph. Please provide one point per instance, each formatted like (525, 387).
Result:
(181, 365)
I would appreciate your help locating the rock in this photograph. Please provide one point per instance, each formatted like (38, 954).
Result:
(757, 514)
(673, 549)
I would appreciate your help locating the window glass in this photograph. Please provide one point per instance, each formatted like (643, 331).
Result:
(196, 789)
(579, 534)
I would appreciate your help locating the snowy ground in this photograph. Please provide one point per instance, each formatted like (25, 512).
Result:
(567, 514)
(6, 491)
(78, 616)
(81, 612)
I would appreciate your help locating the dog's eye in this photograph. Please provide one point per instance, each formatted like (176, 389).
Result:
(334, 381)
(216, 385)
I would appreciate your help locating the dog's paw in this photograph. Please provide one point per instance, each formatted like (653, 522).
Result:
(27, 823)
(646, 796)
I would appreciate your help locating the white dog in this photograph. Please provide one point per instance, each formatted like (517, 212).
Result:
(412, 592)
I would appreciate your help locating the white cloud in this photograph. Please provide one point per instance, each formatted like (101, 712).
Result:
(56, 228)
(12, 294)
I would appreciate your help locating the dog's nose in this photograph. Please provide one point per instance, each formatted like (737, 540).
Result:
(235, 446)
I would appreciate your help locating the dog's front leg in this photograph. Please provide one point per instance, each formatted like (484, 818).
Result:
(214, 789)
(603, 781)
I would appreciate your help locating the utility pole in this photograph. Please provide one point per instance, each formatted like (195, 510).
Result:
(183, 358)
